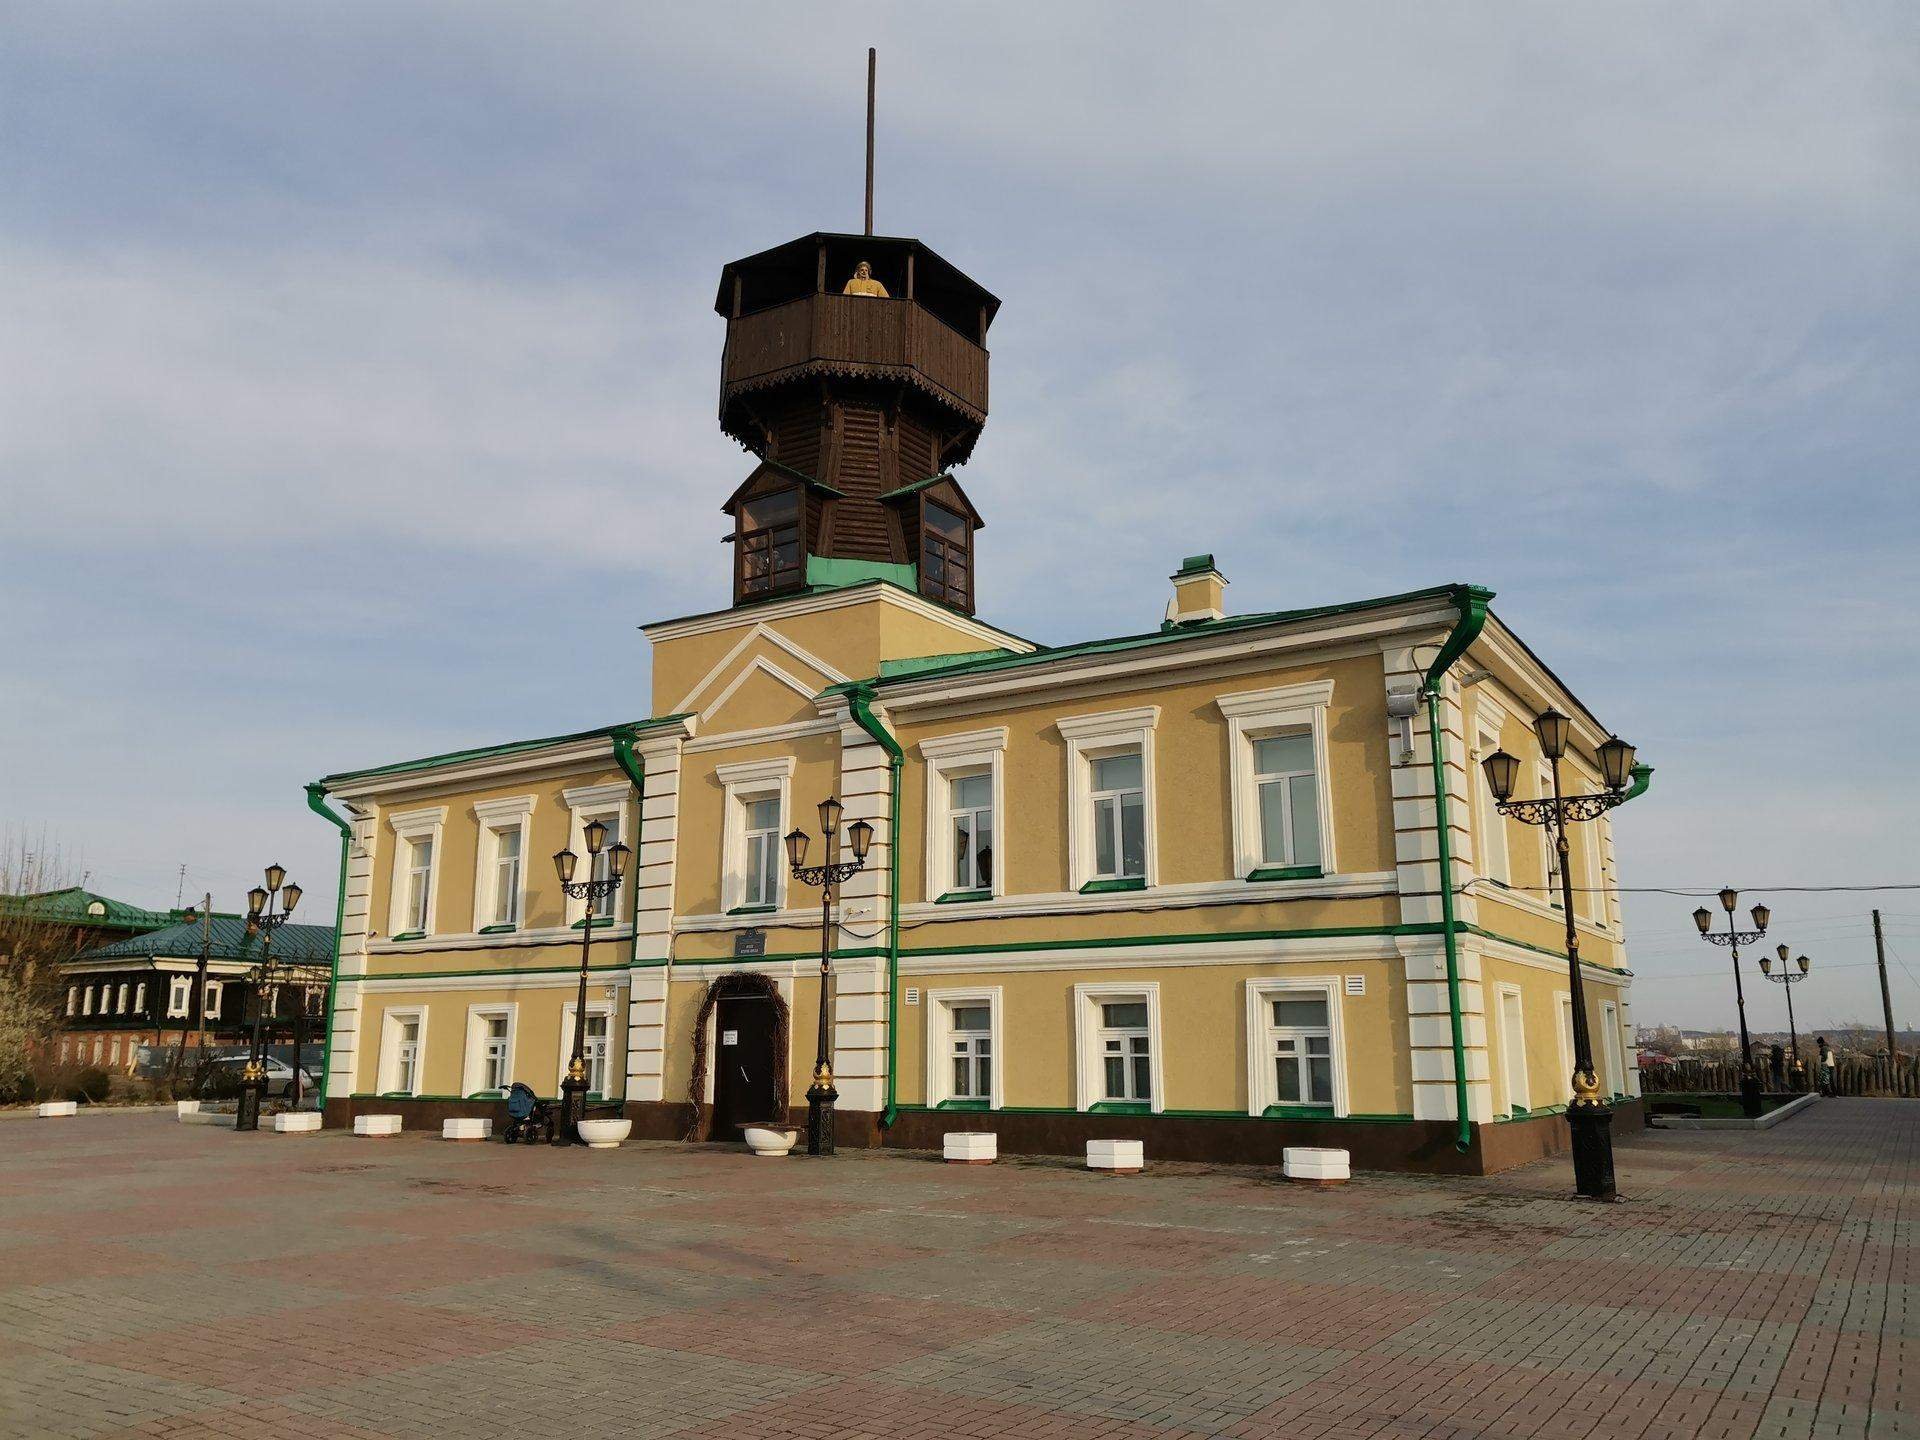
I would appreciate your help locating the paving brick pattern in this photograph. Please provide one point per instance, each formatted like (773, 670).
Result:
(161, 1279)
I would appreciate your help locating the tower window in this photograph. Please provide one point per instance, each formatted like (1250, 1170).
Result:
(769, 555)
(946, 556)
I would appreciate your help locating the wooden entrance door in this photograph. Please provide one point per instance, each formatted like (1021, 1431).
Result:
(744, 1089)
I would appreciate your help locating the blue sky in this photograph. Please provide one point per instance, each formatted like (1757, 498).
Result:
(357, 371)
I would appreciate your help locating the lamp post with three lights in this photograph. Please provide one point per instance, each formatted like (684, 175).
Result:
(1791, 973)
(597, 886)
(263, 918)
(1733, 939)
(821, 1095)
(1588, 1116)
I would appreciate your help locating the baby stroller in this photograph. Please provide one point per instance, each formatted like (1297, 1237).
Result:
(529, 1118)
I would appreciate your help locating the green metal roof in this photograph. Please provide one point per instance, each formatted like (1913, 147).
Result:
(301, 944)
(514, 747)
(85, 909)
(1202, 629)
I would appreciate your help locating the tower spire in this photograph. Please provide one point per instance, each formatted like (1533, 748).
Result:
(871, 61)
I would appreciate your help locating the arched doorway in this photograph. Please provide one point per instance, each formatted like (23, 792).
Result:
(742, 1035)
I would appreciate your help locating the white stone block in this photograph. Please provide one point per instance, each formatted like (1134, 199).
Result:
(466, 1129)
(296, 1122)
(1303, 1162)
(376, 1124)
(971, 1147)
(1123, 1157)
(51, 1108)
(184, 1108)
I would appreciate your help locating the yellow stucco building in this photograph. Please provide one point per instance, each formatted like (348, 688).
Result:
(1181, 885)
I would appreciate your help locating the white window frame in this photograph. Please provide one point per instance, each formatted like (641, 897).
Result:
(212, 994)
(742, 784)
(1614, 1069)
(473, 1060)
(73, 1000)
(956, 757)
(407, 827)
(120, 998)
(1253, 715)
(494, 818)
(1513, 1048)
(940, 1007)
(1261, 992)
(139, 997)
(1095, 737)
(616, 1062)
(388, 1078)
(602, 802)
(86, 1001)
(1089, 1060)
(1563, 1007)
(179, 996)
(1491, 841)
(1549, 852)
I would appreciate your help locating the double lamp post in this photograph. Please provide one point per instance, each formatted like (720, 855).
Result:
(1733, 938)
(1791, 973)
(1588, 1116)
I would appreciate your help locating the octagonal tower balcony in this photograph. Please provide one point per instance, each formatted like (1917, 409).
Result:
(793, 331)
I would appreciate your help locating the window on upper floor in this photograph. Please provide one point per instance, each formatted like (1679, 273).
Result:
(946, 556)
(1282, 819)
(964, 819)
(769, 553)
(1490, 837)
(1549, 850)
(970, 827)
(120, 999)
(1119, 814)
(753, 856)
(415, 878)
(1285, 774)
(419, 882)
(760, 838)
(86, 1003)
(506, 876)
(179, 996)
(606, 903)
(140, 998)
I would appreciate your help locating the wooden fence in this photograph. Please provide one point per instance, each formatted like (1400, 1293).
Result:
(1852, 1075)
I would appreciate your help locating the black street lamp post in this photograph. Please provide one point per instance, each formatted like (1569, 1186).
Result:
(573, 1089)
(1733, 939)
(821, 1095)
(1790, 974)
(1588, 1116)
(262, 921)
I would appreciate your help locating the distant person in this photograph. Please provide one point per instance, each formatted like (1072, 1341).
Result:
(1826, 1065)
(1777, 1063)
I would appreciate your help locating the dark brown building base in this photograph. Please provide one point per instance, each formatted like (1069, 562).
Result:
(1420, 1146)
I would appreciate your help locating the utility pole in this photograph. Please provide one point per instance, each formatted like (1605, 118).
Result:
(187, 1021)
(1886, 996)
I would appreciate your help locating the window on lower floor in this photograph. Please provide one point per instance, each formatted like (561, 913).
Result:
(1126, 1052)
(970, 1051)
(1513, 1052)
(595, 1048)
(211, 1000)
(1300, 1048)
(407, 1058)
(179, 996)
(496, 1071)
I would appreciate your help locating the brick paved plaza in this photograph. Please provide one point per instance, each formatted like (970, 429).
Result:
(161, 1279)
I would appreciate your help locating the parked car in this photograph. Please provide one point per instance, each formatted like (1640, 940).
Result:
(223, 1077)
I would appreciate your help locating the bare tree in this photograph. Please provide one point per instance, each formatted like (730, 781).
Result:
(32, 947)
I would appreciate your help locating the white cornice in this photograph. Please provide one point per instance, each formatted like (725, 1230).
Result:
(708, 624)
(1084, 673)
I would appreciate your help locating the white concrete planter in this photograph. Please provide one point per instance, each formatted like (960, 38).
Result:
(1120, 1157)
(51, 1108)
(1315, 1167)
(971, 1147)
(765, 1140)
(466, 1129)
(376, 1124)
(605, 1134)
(184, 1108)
(296, 1122)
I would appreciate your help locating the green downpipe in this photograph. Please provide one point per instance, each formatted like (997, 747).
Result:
(1642, 777)
(860, 706)
(317, 802)
(636, 771)
(1472, 601)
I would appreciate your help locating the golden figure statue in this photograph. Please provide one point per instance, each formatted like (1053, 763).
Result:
(863, 283)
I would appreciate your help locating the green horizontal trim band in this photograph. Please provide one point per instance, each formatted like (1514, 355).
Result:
(1107, 887)
(1297, 1112)
(1121, 1107)
(982, 1105)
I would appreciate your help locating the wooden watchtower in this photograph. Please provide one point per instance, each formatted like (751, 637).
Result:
(858, 401)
